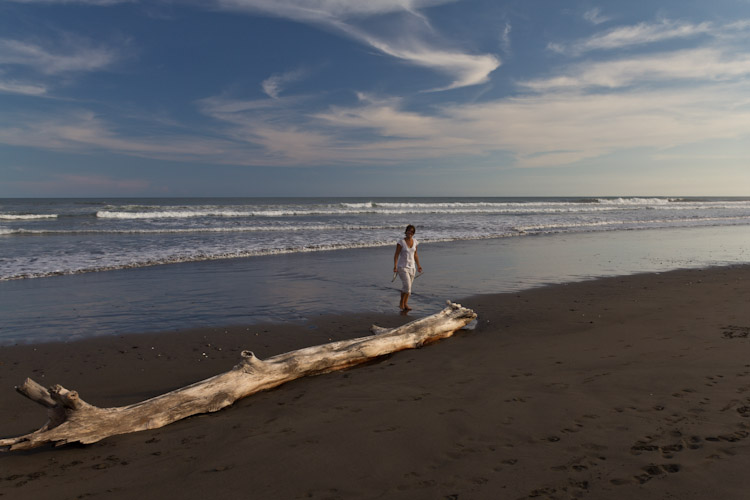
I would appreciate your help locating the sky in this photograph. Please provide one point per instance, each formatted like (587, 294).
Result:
(160, 98)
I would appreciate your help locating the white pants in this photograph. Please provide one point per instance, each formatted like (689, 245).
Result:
(407, 277)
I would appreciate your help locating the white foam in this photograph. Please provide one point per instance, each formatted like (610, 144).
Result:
(27, 216)
(405, 208)
(232, 229)
(634, 201)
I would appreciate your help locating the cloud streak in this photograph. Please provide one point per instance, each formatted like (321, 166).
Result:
(466, 69)
(103, 3)
(667, 67)
(72, 54)
(274, 85)
(325, 11)
(595, 16)
(343, 16)
(629, 36)
(21, 88)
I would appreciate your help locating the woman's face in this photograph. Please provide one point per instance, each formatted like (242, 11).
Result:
(409, 232)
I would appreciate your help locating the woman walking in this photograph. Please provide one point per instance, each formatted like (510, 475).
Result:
(406, 264)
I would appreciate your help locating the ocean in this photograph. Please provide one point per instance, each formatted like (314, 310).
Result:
(71, 268)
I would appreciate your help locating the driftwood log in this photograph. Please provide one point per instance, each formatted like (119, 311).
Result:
(73, 420)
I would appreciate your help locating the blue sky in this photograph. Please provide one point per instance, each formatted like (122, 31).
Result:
(374, 97)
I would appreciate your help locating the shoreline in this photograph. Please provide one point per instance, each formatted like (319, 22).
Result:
(298, 287)
(619, 387)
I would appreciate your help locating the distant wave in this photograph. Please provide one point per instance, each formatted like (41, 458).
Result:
(633, 201)
(27, 216)
(405, 208)
(171, 214)
(392, 209)
(242, 229)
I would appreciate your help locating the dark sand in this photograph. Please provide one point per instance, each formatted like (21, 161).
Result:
(619, 388)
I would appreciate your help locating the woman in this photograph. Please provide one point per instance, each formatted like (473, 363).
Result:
(406, 263)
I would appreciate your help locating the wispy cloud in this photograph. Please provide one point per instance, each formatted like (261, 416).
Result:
(595, 16)
(273, 85)
(383, 114)
(344, 16)
(639, 34)
(103, 3)
(22, 88)
(466, 69)
(666, 67)
(81, 131)
(71, 54)
(325, 11)
(33, 68)
(505, 43)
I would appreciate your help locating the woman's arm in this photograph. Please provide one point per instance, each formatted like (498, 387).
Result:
(395, 257)
(416, 259)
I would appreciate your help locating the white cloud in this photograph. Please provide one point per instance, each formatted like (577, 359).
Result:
(505, 38)
(327, 10)
(666, 67)
(466, 69)
(274, 85)
(639, 34)
(383, 115)
(342, 15)
(15, 87)
(69, 55)
(595, 16)
(103, 3)
(85, 132)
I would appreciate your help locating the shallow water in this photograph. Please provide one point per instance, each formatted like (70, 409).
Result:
(293, 287)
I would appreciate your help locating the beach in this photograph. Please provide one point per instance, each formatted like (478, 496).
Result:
(621, 387)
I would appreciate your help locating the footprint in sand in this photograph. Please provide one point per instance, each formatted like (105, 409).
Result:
(649, 473)
(735, 332)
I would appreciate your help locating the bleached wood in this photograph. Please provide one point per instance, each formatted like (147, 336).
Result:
(73, 420)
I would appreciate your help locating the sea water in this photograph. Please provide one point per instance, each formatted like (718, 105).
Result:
(46, 237)
(71, 268)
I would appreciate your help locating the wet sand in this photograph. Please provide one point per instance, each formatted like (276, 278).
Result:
(618, 388)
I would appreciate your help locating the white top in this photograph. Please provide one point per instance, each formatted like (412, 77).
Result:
(406, 257)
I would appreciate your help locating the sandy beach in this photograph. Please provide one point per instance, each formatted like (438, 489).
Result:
(617, 388)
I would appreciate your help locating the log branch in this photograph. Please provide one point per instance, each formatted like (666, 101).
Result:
(71, 419)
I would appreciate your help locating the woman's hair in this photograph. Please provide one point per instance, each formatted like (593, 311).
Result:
(410, 227)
